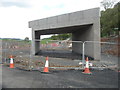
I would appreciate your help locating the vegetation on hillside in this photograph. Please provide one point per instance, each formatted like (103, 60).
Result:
(45, 40)
(61, 36)
(109, 21)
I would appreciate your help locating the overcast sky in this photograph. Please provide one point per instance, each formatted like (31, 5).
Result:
(15, 14)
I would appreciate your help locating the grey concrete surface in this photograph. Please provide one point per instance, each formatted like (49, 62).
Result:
(84, 26)
(14, 78)
(60, 54)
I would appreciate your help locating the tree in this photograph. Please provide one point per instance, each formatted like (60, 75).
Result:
(61, 36)
(107, 4)
(26, 39)
(109, 21)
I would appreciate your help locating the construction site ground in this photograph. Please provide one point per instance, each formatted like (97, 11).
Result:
(66, 74)
(16, 78)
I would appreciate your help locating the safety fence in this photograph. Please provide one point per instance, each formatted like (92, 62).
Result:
(101, 54)
(55, 45)
(109, 53)
(61, 53)
(20, 50)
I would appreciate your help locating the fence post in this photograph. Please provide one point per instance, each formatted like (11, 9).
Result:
(31, 57)
(83, 55)
(5, 52)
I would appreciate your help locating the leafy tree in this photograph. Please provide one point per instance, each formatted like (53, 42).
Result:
(107, 4)
(26, 39)
(61, 36)
(109, 21)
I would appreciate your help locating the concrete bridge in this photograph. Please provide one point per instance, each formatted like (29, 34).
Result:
(84, 26)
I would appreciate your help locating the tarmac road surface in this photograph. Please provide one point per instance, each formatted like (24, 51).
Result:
(15, 78)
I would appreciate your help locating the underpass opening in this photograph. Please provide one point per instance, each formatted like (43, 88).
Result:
(83, 25)
(71, 49)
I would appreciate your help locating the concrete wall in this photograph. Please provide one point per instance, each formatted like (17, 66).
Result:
(35, 44)
(91, 48)
(84, 26)
(83, 35)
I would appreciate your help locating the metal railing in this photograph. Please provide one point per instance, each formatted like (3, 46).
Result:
(23, 56)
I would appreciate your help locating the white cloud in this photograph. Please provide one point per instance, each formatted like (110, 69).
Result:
(14, 19)
(18, 3)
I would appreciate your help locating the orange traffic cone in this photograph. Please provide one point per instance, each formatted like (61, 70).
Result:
(87, 71)
(46, 69)
(11, 62)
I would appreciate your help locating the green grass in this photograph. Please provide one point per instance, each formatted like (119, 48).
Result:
(45, 41)
(13, 40)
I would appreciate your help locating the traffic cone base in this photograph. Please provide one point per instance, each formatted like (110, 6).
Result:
(46, 69)
(87, 71)
(11, 65)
